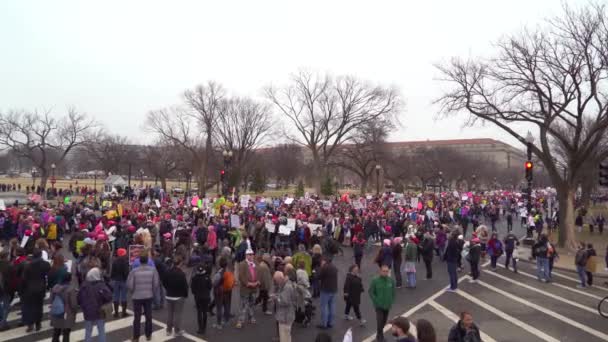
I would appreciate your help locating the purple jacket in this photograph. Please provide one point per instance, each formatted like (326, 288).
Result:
(91, 297)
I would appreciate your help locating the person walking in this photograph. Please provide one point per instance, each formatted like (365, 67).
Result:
(358, 243)
(353, 287)
(464, 330)
(265, 277)
(328, 285)
(591, 265)
(92, 296)
(411, 255)
(474, 257)
(540, 252)
(426, 250)
(143, 282)
(223, 283)
(397, 260)
(34, 290)
(63, 313)
(176, 287)
(6, 291)
(495, 250)
(118, 278)
(285, 301)
(382, 293)
(201, 286)
(248, 287)
(451, 259)
(580, 262)
(511, 241)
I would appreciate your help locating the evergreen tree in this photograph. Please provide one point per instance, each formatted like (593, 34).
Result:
(327, 187)
(300, 189)
(258, 183)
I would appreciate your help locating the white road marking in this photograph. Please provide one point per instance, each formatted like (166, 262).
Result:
(507, 317)
(79, 334)
(558, 285)
(545, 293)
(16, 314)
(419, 306)
(454, 318)
(20, 331)
(163, 325)
(561, 275)
(551, 313)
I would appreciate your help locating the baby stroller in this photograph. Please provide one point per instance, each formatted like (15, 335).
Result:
(305, 310)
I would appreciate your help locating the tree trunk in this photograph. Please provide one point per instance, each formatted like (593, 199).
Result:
(586, 190)
(363, 186)
(317, 172)
(163, 183)
(565, 195)
(206, 157)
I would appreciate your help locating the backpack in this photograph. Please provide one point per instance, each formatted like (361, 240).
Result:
(228, 281)
(201, 236)
(57, 307)
(498, 247)
(581, 257)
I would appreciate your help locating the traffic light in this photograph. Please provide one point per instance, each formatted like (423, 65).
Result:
(603, 174)
(222, 173)
(528, 166)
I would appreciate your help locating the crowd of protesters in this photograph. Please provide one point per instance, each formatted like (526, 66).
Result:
(278, 253)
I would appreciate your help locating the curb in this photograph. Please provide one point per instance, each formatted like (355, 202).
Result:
(566, 269)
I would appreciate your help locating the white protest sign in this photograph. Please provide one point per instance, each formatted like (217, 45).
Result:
(269, 227)
(326, 204)
(414, 202)
(288, 201)
(24, 241)
(245, 201)
(2, 205)
(313, 227)
(157, 203)
(235, 221)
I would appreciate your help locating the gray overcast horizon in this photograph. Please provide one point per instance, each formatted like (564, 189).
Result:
(117, 60)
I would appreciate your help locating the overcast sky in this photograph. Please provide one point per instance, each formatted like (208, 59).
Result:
(116, 60)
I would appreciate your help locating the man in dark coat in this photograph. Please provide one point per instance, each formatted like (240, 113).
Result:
(464, 330)
(34, 282)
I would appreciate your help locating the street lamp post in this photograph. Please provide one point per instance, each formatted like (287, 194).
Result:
(188, 184)
(34, 178)
(227, 160)
(53, 166)
(440, 182)
(473, 182)
(141, 178)
(378, 168)
(529, 142)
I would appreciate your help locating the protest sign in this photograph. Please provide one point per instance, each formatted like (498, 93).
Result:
(269, 227)
(235, 221)
(24, 241)
(245, 201)
(288, 201)
(414, 202)
(134, 252)
(2, 205)
(157, 203)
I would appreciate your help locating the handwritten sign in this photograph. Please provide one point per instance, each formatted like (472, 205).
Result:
(235, 221)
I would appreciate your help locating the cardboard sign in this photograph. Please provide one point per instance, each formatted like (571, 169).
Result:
(135, 252)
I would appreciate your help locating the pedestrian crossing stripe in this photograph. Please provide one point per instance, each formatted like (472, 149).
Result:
(561, 275)
(454, 318)
(551, 313)
(110, 326)
(507, 317)
(545, 293)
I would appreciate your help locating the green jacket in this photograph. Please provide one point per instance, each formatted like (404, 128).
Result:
(382, 292)
(411, 252)
(303, 256)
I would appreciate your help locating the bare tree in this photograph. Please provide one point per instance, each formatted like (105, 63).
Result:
(365, 149)
(241, 126)
(204, 105)
(42, 138)
(323, 112)
(284, 162)
(547, 79)
(109, 153)
(162, 159)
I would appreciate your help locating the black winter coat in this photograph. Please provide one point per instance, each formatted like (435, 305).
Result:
(34, 279)
(175, 283)
(120, 269)
(201, 285)
(353, 287)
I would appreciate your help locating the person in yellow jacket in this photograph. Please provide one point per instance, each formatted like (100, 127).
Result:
(591, 265)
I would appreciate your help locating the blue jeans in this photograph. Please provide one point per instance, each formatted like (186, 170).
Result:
(411, 279)
(101, 330)
(542, 269)
(581, 275)
(119, 294)
(328, 307)
(5, 307)
(453, 273)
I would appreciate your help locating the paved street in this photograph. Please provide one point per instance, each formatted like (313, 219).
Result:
(505, 306)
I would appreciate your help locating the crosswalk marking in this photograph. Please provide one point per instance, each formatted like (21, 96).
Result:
(545, 293)
(110, 326)
(20, 331)
(559, 285)
(454, 318)
(561, 275)
(507, 317)
(545, 311)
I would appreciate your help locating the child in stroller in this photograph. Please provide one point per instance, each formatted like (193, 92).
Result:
(305, 310)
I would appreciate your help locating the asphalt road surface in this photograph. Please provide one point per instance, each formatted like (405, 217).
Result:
(505, 306)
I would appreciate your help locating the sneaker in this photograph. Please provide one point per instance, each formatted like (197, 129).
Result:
(268, 313)
(362, 322)
(30, 328)
(217, 326)
(348, 318)
(472, 281)
(579, 286)
(239, 325)
(450, 290)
